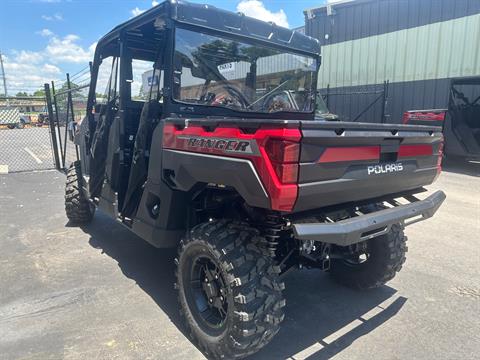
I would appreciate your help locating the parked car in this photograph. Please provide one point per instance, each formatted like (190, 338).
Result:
(12, 118)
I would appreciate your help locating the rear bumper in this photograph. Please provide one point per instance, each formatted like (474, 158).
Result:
(364, 227)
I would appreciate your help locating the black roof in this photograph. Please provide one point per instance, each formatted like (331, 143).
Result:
(210, 17)
(467, 80)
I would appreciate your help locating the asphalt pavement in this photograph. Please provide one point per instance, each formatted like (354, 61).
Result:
(100, 292)
(25, 149)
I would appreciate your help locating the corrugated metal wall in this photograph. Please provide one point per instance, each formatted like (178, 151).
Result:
(418, 45)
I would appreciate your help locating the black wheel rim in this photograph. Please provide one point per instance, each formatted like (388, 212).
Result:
(208, 292)
(357, 259)
(358, 256)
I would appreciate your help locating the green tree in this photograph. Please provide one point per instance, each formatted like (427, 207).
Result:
(39, 92)
(22, 93)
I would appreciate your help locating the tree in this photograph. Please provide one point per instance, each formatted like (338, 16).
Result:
(21, 93)
(39, 93)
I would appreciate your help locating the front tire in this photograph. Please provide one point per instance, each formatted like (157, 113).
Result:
(228, 288)
(77, 207)
(377, 264)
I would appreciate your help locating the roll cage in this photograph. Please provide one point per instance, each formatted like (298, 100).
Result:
(151, 36)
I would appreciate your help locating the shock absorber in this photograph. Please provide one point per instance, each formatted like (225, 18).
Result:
(272, 229)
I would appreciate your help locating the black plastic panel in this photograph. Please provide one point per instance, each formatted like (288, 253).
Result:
(350, 188)
(190, 169)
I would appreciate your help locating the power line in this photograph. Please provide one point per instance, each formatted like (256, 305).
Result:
(24, 87)
(80, 75)
(81, 70)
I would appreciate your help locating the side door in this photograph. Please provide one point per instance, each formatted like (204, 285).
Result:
(105, 111)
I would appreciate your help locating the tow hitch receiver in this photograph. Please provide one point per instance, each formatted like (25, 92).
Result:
(364, 227)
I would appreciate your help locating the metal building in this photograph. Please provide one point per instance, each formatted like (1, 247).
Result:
(416, 45)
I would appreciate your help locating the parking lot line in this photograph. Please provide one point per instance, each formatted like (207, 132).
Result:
(33, 155)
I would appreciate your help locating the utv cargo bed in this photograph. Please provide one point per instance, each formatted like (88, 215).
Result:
(339, 162)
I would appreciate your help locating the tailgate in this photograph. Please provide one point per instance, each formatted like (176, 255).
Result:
(343, 162)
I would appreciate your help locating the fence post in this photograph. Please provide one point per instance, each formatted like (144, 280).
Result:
(52, 126)
(384, 101)
(328, 97)
(58, 122)
(70, 102)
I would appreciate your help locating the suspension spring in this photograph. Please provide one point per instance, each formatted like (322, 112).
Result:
(272, 228)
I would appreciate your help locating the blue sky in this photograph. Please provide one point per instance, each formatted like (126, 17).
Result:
(42, 39)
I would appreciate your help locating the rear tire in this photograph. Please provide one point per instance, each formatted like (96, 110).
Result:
(77, 207)
(384, 257)
(228, 288)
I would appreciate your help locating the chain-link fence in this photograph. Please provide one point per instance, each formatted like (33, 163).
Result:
(36, 132)
(67, 104)
(25, 141)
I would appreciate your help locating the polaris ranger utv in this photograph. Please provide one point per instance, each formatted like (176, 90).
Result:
(460, 122)
(214, 161)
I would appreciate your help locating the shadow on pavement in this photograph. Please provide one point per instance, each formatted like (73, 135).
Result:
(322, 318)
(461, 166)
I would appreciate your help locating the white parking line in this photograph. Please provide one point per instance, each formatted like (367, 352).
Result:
(33, 155)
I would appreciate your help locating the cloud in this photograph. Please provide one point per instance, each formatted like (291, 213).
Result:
(137, 11)
(257, 9)
(45, 32)
(51, 69)
(28, 76)
(54, 17)
(66, 49)
(58, 50)
(25, 68)
(28, 57)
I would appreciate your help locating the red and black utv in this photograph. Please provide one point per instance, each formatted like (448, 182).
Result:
(460, 122)
(207, 155)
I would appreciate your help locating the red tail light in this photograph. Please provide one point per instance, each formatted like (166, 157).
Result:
(284, 156)
(287, 173)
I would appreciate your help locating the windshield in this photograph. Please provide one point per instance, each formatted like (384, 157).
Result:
(219, 72)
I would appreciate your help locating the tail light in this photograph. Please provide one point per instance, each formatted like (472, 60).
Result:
(284, 156)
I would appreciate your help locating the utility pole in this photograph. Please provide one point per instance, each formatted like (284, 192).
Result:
(3, 76)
